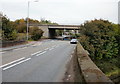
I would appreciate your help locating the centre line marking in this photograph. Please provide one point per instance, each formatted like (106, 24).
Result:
(51, 48)
(41, 53)
(16, 64)
(12, 62)
(46, 48)
(36, 53)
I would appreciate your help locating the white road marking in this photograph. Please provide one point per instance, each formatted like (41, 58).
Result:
(12, 62)
(36, 53)
(2, 52)
(39, 43)
(74, 48)
(72, 52)
(71, 57)
(51, 48)
(16, 64)
(41, 53)
(46, 49)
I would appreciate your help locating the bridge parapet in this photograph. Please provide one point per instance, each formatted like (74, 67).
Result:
(90, 72)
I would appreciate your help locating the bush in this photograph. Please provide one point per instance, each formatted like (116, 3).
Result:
(98, 37)
(36, 33)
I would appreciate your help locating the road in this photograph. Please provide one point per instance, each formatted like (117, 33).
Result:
(42, 62)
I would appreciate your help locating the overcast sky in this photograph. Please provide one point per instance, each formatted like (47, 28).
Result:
(72, 12)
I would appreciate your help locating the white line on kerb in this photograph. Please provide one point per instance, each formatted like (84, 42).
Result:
(16, 64)
(41, 53)
(36, 53)
(12, 62)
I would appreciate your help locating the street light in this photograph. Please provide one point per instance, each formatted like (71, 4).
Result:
(28, 18)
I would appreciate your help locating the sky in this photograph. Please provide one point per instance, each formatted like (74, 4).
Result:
(68, 12)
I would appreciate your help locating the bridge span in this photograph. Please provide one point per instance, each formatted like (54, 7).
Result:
(50, 30)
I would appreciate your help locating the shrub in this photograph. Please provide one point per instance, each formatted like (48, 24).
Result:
(99, 39)
(36, 33)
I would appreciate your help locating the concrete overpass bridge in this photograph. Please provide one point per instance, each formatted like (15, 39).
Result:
(49, 30)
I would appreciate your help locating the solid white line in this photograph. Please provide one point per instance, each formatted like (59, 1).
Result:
(16, 64)
(36, 53)
(41, 53)
(12, 62)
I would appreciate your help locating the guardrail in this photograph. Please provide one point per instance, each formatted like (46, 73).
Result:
(90, 72)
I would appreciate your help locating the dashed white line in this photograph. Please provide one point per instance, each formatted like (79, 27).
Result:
(41, 53)
(12, 62)
(74, 48)
(46, 48)
(36, 53)
(51, 48)
(16, 64)
(71, 57)
(72, 52)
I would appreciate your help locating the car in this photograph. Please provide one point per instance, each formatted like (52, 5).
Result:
(73, 41)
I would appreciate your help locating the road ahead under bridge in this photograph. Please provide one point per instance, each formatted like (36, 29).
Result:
(49, 30)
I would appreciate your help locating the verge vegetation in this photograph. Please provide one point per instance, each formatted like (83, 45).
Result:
(16, 30)
(102, 40)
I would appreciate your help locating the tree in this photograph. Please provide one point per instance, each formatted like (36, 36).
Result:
(100, 39)
(8, 33)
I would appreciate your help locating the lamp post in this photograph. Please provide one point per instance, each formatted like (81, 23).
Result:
(28, 19)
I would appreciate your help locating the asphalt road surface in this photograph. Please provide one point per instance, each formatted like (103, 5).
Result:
(42, 62)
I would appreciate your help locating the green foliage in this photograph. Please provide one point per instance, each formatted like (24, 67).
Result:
(98, 37)
(13, 30)
(48, 22)
(8, 33)
(36, 33)
(20, 25)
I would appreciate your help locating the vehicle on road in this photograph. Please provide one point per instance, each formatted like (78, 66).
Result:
(73, 41)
